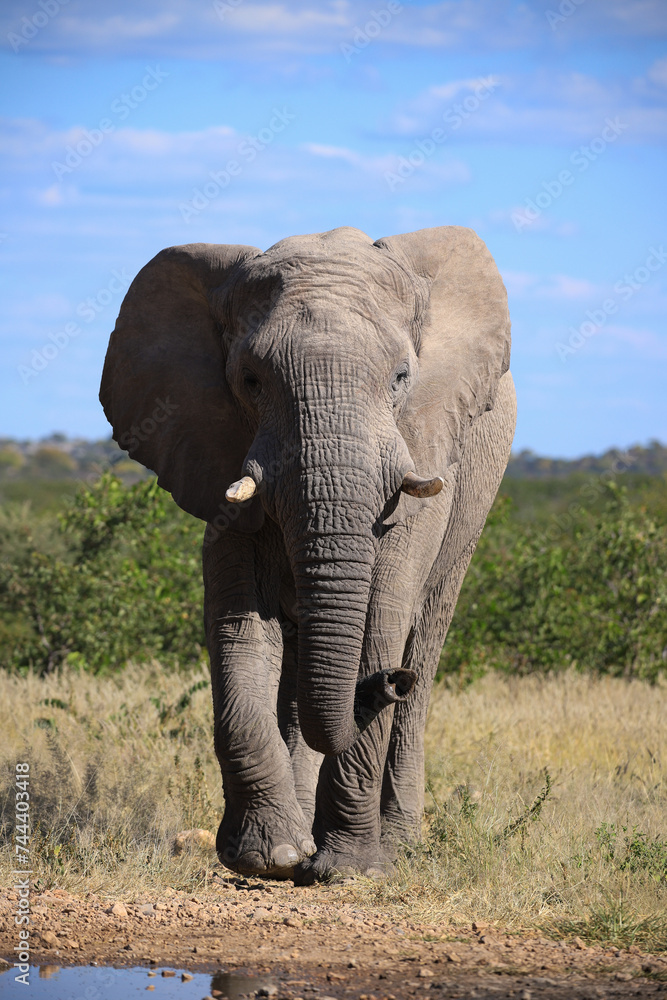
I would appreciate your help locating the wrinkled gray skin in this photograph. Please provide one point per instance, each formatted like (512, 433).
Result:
(326, 369)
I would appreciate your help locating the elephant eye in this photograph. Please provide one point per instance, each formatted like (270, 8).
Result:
(252, 384)
(400, 380)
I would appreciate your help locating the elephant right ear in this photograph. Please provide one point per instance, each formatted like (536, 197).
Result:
(164, 389)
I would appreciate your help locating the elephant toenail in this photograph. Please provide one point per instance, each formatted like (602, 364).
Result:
(308, 847)
(251, 862)
(284, 856)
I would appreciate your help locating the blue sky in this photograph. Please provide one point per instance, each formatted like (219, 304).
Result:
(128, 127)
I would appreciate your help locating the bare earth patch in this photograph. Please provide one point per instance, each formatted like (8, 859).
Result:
(321, 942)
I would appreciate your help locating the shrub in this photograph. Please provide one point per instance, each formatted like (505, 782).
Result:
(595, 598)
(117, 577)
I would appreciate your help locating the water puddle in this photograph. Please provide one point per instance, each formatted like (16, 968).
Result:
(85, 982)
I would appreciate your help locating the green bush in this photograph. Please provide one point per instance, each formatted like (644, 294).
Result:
(115, 577)
(541, 598)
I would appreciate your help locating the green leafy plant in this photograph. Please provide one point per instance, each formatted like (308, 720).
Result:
(120, 579)
(594, 598)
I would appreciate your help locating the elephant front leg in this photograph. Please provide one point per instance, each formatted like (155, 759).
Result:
(263, 831)
(347, 819)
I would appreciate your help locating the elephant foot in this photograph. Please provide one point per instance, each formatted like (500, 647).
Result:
(253, 851)
(327, 864)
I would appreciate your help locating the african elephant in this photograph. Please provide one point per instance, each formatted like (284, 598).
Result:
(340, 412)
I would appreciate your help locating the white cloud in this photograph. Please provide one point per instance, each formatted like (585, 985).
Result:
(658, 72)
(568, 108)
(252, 28)
(642, 343)
(558, 287)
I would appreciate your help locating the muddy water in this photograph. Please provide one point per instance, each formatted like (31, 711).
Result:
(86, 982)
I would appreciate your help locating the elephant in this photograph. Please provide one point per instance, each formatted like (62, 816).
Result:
(340, 413)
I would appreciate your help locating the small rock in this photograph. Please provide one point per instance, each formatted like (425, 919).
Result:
(146, 908)
(168, 973)
(117, 910)
(151, 974)
(260, 913)
(186, 977)
(623, 977)
(267, 991)
(526, 995)
(49, 939)
(334, 977)
(425, 973)
(352, 964)
(193, 838)
(151, 987)
(579, 944)
(451, 956)
(293, 922)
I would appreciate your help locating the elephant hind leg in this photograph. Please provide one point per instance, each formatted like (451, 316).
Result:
(479, 476)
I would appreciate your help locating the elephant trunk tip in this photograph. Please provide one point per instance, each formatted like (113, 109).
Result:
(385, 688)
(373, 693)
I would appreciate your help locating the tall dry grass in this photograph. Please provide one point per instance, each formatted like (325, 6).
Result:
(546, 805)
(546, 797)
(118, 766)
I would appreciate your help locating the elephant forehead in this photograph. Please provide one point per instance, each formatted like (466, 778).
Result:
(320, 275)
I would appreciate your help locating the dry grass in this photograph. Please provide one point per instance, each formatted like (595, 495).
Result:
(487, 856)
(120, 764)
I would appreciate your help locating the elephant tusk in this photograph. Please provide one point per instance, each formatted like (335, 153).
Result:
(241, 490)
(418, 487)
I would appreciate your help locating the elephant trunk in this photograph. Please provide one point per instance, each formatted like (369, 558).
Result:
(332, 571)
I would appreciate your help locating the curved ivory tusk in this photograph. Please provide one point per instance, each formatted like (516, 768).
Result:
(241, 490)
(418, 487)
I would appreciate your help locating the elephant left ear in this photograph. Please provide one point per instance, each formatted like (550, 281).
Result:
(461, 336)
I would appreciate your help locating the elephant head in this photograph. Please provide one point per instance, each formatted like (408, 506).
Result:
(314, 382)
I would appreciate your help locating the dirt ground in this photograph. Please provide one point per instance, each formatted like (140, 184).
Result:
(317, 942)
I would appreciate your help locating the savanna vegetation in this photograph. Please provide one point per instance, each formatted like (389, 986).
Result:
(545, 796)
(546, 742)
(569, 572)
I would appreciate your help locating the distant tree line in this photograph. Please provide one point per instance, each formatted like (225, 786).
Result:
(59, 457)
